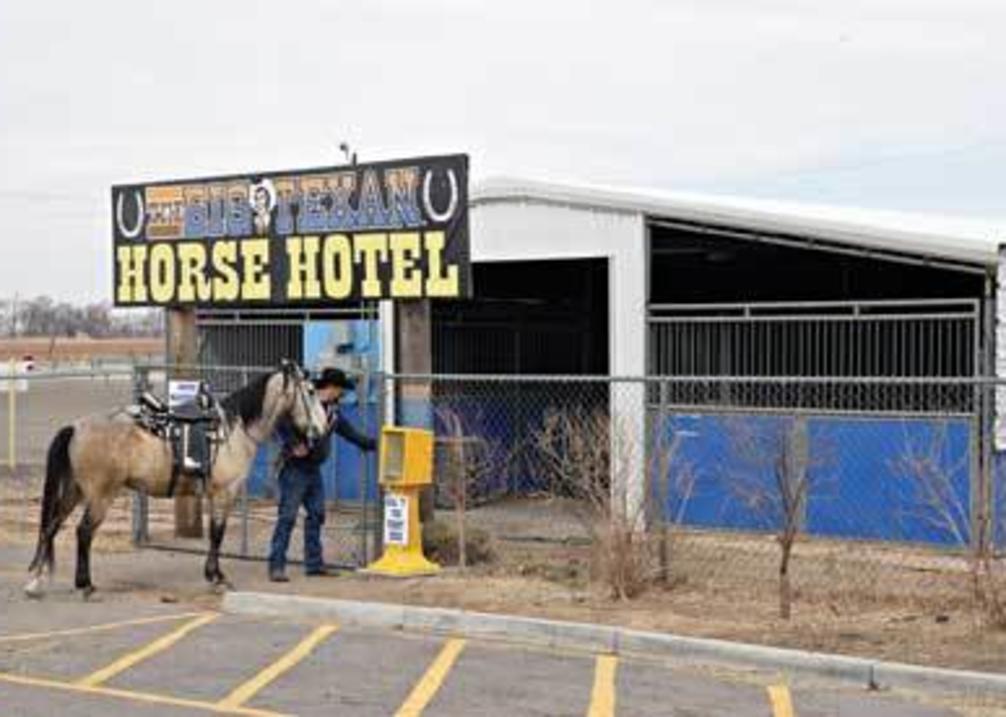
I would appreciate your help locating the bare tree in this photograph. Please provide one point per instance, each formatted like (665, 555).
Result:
(37, 316)
(42, 316)
(773, 482)
(7, 309)
(472, 463)
(672, 488)
(937, 495)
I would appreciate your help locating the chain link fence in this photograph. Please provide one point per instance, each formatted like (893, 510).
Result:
(350, 479)
(857, 491)
(33, 407)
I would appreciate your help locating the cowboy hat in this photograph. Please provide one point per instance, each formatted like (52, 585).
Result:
(334, 377)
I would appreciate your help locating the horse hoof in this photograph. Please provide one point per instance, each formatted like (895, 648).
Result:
(87, 593)
(35, 589)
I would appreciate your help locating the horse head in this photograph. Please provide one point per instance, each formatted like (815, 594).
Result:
(305, 410)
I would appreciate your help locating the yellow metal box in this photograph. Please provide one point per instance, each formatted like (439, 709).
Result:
(406, 457)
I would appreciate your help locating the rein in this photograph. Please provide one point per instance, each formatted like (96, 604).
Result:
(271, 418)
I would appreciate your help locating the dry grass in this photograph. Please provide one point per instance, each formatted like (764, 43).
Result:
(899, 603)
(19, 513)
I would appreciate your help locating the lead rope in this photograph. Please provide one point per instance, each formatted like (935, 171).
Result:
(274, 414)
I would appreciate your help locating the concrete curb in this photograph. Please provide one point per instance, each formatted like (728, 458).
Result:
(616, 640)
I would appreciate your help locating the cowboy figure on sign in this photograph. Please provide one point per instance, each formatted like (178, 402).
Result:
(300, 480)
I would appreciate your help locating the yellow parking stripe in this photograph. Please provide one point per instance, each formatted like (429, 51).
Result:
(250, 688)
(159, 645)
(602, 697)
(131, 696)
(428, 685)
(782, 705)
(28, 636)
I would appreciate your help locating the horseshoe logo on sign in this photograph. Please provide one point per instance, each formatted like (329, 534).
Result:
(428, 203)
(130, 232)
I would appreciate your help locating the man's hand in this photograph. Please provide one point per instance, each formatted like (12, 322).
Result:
(300, 450)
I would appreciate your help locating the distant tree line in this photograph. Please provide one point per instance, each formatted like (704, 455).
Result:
(43, 316)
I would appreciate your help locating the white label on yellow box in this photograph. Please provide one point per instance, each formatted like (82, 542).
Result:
(396, 519)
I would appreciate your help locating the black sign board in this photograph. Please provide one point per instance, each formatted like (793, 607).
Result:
(388, 230)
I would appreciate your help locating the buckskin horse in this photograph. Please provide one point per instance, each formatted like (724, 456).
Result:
(92, 460)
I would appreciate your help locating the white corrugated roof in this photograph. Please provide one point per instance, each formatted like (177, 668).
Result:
(973, 241)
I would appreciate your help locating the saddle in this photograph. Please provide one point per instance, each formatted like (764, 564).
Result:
(192, 429)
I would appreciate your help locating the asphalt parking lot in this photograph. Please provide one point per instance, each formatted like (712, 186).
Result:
(122, 656)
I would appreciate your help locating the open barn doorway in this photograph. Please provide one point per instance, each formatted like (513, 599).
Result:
(527, 317)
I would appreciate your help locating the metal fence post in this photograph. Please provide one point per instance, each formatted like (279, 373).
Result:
(976, 441)
(377, 523)
(986, 512)
(363, 401)
(140, 508)
(983, 538)
(243, 496)
(12, 417)
(662, 484)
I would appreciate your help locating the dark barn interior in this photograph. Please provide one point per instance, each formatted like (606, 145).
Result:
(526, 317)
(730, 303)
(703, 267)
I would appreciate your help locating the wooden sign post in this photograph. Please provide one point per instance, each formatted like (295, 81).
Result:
(183, 345)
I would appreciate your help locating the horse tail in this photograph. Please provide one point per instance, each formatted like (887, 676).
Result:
(58, 480)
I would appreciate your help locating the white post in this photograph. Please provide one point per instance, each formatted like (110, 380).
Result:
(627, 283)
(11, 416)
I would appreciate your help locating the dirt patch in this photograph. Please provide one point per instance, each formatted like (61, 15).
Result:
(949, 639)
(82, 349)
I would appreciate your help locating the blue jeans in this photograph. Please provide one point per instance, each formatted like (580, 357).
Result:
(299, 486)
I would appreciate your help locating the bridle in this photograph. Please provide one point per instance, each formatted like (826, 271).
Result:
(292, 371)
(304, 395)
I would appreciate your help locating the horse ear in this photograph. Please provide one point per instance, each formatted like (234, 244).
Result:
(286, 367)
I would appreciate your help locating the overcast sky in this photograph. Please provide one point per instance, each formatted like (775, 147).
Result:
(895, 104)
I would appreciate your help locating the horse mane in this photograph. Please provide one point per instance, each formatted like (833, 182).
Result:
(247, 401)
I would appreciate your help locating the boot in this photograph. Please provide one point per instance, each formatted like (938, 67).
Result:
(278, 575)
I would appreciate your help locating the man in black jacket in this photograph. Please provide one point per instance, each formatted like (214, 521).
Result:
(300, 480)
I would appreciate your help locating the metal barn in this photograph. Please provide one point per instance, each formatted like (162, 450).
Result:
(576, 281)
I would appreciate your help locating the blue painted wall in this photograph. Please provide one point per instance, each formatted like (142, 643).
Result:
(870, 478)
(342, 471)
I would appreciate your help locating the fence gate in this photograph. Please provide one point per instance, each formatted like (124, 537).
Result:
(234, 348)
(861, 339)
(930, 351)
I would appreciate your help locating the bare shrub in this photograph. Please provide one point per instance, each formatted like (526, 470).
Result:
(598, 462)
(773, 482)
(940, 499)
(989, 588)
(671, 485)
(472, 462)
(926, 464)
(442, 545)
